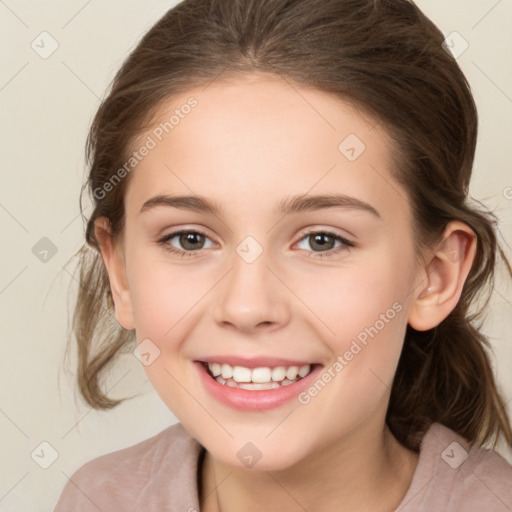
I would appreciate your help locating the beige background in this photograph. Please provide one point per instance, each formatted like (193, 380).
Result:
(47, 105)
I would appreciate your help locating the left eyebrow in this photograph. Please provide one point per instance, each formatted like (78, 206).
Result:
(302, 203)
(293, 204)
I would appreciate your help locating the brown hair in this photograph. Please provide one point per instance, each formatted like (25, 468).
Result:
(385, 57)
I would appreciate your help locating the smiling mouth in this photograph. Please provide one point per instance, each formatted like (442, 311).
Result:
(257, 379)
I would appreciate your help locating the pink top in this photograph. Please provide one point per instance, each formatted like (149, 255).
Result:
(160, 474)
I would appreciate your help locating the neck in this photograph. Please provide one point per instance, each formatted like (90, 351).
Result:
(369, 471)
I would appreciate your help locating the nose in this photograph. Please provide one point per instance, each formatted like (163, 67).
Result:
(252, 297)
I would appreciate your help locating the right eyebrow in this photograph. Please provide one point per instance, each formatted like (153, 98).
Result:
(195, 203)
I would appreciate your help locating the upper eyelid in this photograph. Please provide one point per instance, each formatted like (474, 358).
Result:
(179, 231)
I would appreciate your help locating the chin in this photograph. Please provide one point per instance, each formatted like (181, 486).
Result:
(250, 457)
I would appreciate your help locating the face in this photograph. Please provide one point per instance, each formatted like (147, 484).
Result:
(329, 283)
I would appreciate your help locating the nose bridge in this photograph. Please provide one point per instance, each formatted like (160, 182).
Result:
(251, 294)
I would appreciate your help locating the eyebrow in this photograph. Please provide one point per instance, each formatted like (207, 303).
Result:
(293, 204)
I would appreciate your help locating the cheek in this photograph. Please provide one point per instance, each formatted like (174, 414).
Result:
(162, 295)
(355, 296)
(367, 321)
(364, 312)
(165, 299)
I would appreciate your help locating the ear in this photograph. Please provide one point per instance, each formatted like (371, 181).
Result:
(443, 277)
(114, 262)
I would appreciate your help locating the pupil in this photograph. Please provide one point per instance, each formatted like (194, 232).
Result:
(190, 238)
(320, 240)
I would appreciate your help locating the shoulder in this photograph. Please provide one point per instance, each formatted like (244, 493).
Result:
(122, 477)
(485, 477)
(452, 475)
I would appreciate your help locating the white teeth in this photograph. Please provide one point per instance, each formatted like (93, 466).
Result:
(304, 370)
(241, 374)
(292, 372)
(254, 386)
(259, 386)
(262, 375)
(226, 370)
(278, 373)
(216, 369)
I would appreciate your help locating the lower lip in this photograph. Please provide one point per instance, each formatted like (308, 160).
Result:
(257, 400)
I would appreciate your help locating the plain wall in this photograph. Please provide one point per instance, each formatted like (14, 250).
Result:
(46, 108)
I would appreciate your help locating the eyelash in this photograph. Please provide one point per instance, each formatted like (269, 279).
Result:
(347, 245)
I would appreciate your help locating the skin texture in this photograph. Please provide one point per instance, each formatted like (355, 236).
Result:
(250, 143)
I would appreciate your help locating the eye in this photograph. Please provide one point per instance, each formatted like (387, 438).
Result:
(192, 242)
(324, 240)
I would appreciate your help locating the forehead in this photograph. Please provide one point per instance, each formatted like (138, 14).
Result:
(264, 137)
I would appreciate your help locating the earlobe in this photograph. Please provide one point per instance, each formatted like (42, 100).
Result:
(115, 265)
(444, 277)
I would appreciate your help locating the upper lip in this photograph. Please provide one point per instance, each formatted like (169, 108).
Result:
(254, 362)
